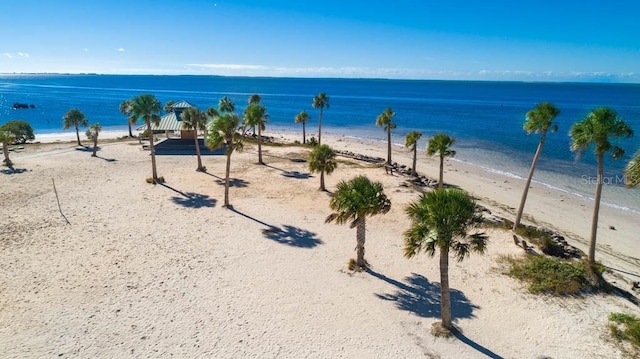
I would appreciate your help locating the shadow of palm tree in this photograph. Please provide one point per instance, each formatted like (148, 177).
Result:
(106, 159)
(292, 236)
(458, 334)
(190, 199)
(291, 174)
(87, 148)
(13, 170)
(289, 235)
(233, 182)
(422, 297)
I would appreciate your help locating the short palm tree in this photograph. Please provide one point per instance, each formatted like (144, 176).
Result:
(411, 142)
(194, 119)
(303, 118)
(440, 145)
(168, 106)
(632, 172)
(322, 159)
(226, 105)
(596, 129)
(147, 108)
(385, 120)
(352, 202)
(320, 101)
(224, 130)
(255, 99)
(256, 115)
(6, 138)
(74, 118)
(538, 120)
(443, 219)
(92, 134)
(125, 109)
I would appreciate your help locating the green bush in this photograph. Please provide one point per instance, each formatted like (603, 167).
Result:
(547, 275)
(21, 130)
(312, 142)
(626, 327)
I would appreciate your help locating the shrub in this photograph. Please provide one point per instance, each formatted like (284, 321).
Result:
(547, 275)
(21, 130)
(626, 327)
(353, 265)
(159, 180)
(312, 142)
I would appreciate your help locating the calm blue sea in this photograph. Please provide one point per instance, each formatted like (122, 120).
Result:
(485, 117)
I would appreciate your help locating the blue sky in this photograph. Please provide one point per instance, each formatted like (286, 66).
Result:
(588, 40)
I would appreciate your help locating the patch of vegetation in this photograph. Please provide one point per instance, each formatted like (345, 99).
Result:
(159, 180)
(21, 130)
(548, 275)
(353, 265)
(625, 327)
(312, 142)
(535, 235)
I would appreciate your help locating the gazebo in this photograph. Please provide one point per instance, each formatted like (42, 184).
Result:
(172, 121)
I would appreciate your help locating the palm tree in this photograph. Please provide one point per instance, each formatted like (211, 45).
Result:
(224, 131)
(255, 99)
(320, 101)
(632, 171)
(442, 219)
(440, 145)
(411, 141)
(303, 118)
(385, 120)
(75, 118)
(194, 119)
(148, 108)
(168, 106)
(6, 138)
(92, 134)
(539, 120)
(226, 105)
(322, 159)
(595, 129)
(256, 116)
(352, 202)
(125, 109)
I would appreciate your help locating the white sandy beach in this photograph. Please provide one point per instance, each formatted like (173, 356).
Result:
(165, 271)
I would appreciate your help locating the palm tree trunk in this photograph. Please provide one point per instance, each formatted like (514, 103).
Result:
(195, 135)
(415, 155)
(440, 183)
(130, 133)
(320, 128)
(389, 146)
(516, 223)
(226, 181)
(596, 210)
(95, 145)
(445, 296)
(78, 135)
(153, 152)
(260, 145)
(322, 188)
(5, 151)
(304, 133)
(360, 237)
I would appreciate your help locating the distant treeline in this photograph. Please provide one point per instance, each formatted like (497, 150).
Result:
(18, 105)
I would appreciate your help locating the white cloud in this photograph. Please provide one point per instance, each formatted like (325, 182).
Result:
(120, 49)
(234, 67)
(85, 49)
(23, 54)
(7, 55)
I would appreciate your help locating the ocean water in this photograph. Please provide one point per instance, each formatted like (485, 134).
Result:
(485, 117)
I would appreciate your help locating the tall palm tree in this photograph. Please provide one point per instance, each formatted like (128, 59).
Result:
(440, 145)
(352, 202)
(443, 219)
(125, 109)
(303, 118)
(256, 115)
(194, 119)
(224, 131)
(168, 106)
(226, 105)
(411, 142)
(320, 101)
(632, 171)
(74, 118)
(538, 120)
(92, 134)
(6, 138)
(385, 120)
(596, 129)
(322, 159)
(147, 108)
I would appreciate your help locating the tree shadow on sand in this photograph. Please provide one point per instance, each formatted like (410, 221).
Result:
(291, 174)
(233, 182)
(288, 235)
(13, 170)
(422, 297)
(190, 199)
